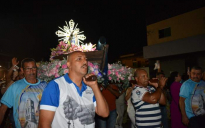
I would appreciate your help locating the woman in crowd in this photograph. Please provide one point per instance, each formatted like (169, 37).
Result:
(175, 85)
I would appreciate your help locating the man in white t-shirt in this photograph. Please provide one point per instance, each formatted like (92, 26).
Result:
(71, 101)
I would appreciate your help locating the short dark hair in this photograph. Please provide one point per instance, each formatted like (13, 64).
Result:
(26, 60)
(197, 68)
(172, 76)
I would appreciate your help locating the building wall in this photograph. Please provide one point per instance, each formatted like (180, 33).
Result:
(201, 62)
(127, 62)
(133, 61)
(182, 26)
(171, 65)
(178, 63)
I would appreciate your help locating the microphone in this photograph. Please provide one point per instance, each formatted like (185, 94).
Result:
(91, 78)
(154, 80)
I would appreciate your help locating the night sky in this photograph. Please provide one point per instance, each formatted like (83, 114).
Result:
(27, 28)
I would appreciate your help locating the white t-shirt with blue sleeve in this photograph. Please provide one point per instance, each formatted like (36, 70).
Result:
(73, 107)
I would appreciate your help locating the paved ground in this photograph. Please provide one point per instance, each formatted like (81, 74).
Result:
(126, 121)
(127, 124)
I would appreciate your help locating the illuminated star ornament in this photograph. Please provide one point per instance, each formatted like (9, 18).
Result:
(71, 39)
(71, 34)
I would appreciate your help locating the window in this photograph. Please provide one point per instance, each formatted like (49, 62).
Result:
(165, 32)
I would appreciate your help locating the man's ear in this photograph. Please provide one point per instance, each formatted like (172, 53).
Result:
(136, 78)
(68, 65)
(21, 69)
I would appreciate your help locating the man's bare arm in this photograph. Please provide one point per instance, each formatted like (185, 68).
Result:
(185, 119)
(152, 98)
(10, 71)
(128, 93)
(45, 118)
(158, 95)
(101, 104)
(3, 109)
(162, 99)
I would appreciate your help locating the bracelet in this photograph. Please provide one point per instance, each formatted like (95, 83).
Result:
(16, 67)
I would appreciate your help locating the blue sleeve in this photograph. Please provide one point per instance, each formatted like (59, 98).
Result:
(94, 98)
(8, 97)
(94, 101)
(184, 90)
(50, 98)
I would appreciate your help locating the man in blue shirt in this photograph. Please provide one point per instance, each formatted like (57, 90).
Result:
(24, 96)
(187, 91)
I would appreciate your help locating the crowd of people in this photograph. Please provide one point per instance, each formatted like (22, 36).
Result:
(72, 101)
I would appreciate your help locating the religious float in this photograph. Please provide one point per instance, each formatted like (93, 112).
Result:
(71, 39)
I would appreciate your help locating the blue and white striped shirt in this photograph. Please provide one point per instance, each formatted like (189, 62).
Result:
(146, 115)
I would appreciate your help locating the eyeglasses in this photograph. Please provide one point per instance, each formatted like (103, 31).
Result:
(29, 69)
